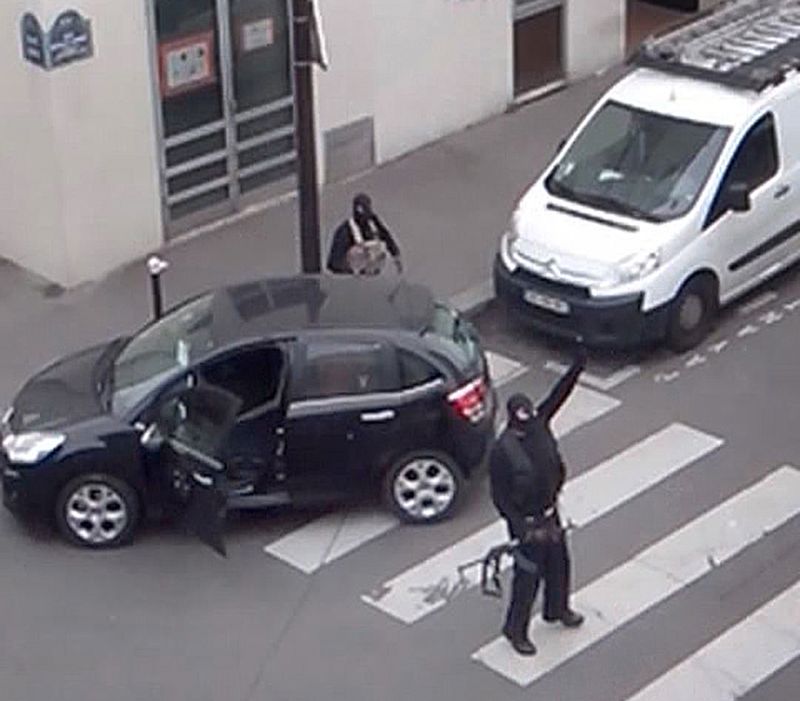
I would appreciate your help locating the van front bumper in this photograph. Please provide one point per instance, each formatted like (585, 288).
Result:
(604, 321)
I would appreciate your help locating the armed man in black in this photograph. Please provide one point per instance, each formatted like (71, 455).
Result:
(527, 474)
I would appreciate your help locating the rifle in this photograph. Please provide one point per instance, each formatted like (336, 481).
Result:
(490, 567)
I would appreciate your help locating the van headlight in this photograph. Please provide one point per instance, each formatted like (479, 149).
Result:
(636, 267)
(31, 448)
(507, 243)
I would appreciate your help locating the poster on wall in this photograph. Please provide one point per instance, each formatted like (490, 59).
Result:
(69, 40)
(187, 64)
(256, 34)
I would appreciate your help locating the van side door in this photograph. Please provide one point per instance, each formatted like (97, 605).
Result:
(746, 214)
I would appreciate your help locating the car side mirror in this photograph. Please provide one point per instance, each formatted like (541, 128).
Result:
(737, 197)
(152, 440)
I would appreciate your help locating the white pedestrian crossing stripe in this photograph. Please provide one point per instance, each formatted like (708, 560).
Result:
(739, 659)
(326, 539)
(334, 535)
(429, 585)
(655, 574)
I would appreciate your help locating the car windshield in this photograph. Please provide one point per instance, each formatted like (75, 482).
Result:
(641, 164)
(158, 350)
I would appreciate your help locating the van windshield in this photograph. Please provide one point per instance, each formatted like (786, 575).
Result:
(641, 164)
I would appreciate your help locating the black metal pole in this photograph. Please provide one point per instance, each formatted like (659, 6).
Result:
(310, 254)
(156, 266)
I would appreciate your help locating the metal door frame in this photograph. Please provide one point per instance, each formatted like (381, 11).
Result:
(228, 125)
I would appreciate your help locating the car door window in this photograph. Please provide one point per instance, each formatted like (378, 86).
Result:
(253, 376)
(415, 371)
(754, 163)
(343, 368)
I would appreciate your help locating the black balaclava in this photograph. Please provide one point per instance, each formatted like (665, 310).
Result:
(362, 209)
(517, 402)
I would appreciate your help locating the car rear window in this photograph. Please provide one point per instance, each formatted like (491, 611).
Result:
(453, 337)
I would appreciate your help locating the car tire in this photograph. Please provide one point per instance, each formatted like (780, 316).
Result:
(97, 511)
(423, 487)
(692, 314)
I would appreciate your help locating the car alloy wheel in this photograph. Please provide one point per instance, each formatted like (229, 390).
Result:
(97, 511)
(424, 488)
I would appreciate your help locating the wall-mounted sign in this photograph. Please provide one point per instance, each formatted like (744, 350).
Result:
(187, 64)
(258, 34)
(69, 39)
(33, 40)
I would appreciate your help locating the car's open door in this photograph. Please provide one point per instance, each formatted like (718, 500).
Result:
(194, 425)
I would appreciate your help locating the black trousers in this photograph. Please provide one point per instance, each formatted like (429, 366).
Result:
(552, 564)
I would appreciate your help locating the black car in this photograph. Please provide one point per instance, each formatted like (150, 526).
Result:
(282, 391)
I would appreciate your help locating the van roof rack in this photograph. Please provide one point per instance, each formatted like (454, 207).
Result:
(750, 44)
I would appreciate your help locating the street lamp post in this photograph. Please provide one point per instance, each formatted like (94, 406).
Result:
(310, 253)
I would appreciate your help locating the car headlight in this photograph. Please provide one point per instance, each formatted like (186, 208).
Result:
(31, 448)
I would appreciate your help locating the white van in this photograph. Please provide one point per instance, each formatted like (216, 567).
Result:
(678, 192)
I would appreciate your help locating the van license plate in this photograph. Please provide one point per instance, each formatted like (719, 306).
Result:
(552, 304)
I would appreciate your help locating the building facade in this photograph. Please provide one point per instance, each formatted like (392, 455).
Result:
(128, 123)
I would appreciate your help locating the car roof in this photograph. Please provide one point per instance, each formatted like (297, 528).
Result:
(685, 98)
(290, 305)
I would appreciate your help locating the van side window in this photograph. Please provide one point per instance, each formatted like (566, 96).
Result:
(754, 163)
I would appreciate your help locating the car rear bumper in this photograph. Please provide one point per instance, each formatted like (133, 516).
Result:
(612, 321)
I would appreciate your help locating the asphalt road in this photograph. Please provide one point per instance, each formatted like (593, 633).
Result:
(168, 619)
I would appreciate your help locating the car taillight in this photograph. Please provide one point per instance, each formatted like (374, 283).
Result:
(469, 401)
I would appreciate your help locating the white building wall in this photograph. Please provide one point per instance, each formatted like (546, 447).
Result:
(421, 69)
(594, 35)
(30, 196)
(79, 148)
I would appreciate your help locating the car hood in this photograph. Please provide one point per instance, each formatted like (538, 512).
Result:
(64, 392)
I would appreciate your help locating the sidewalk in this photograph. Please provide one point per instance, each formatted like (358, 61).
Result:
(447, 204)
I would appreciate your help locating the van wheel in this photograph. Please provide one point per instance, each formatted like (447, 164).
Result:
(423, 487)
(691, 314)
(97, 511)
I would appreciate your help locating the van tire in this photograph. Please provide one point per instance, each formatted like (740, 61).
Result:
(692, 314)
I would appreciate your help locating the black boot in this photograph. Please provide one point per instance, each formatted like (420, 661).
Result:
(569, 619)
(519, 641)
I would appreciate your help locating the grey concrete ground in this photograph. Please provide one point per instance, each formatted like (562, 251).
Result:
(166, 619)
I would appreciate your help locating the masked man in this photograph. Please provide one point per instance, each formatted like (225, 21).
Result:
(527, 474)
(362, 243)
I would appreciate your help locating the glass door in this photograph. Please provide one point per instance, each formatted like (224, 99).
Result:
(262, 92)
(226, 117)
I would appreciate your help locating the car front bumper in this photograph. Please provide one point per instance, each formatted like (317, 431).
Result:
(25, 493)
(610, 321)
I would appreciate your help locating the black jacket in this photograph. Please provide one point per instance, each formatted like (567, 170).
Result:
(527, 472)
(343, 240)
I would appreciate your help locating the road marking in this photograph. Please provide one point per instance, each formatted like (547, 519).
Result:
(748, 330)
(654, 574)
(633, 471)
(791, 306)
(429, 585)
(603, 384)
(718, 347)
(738, 660)
(695, 360)
(771, 317)
(667, 376)
(502, 369)
(326, 539)
(758, 302)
